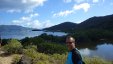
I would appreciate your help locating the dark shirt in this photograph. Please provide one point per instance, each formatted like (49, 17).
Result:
(74, 57)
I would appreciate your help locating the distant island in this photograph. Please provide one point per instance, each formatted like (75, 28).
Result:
(36, 30)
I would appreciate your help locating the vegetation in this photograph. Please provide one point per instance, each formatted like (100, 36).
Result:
(66, 26)
(46, 44)
(92, 35)
(39, 50)
(32, 57)
(16, 59)
(91, 30)
(13, 46)
(49, 49)
(96, 60)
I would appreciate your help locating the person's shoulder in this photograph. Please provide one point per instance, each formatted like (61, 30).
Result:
(76, 53)
(76, 57)
(75, 50)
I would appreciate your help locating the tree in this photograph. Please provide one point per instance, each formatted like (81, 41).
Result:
(13, 46)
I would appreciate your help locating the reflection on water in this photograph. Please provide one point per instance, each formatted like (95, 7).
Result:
(85, 51)
(103, 51)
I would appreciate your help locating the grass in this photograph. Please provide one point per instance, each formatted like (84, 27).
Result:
(41, 58)
(96, 60)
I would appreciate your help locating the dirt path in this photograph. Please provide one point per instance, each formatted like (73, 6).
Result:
(6, 60)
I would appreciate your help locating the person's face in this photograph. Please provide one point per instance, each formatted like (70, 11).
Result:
(70, 43)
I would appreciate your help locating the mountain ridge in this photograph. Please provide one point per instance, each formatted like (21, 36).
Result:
(61, 26)
(13, 27)
(101, 22)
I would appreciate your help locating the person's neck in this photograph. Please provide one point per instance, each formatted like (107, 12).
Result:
(72, 48)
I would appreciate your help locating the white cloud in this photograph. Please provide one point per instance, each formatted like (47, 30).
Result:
(67, 1)
(34, 15)
(28, 21)
(47, 23)
(95, 1)
(82, 1)
(78, 21)
(63, 13)
(20, 5)
(12, 10)
(79, 1)
(84, 6)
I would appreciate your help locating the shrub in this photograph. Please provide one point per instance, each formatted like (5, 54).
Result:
(51, 48)
(31, 47)
(31, 56)
(16, 59)
(13, 46)
(34, 57)
(95, 60)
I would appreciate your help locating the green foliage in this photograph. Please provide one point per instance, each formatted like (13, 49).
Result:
(45, 44)
(41, 58)
(4, 42)
(32, 41)
(92, 35)
(31, 47)
(35, 56)
(55, 54)
(52, 38)
(42, 38)
(96, 60)
(26, 41)
(50, 48)
(30, 53)
(16, 59)
(58, 58)
(13, 46)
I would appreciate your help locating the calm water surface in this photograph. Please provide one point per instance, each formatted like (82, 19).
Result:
(26, 33)
(104, 51)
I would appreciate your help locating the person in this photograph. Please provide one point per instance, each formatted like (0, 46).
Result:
(74, 56)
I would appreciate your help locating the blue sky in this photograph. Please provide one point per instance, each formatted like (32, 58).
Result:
(46, 13)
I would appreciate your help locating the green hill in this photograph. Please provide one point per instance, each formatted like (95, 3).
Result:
(62, 27)
(102, 22)
(12, 27)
